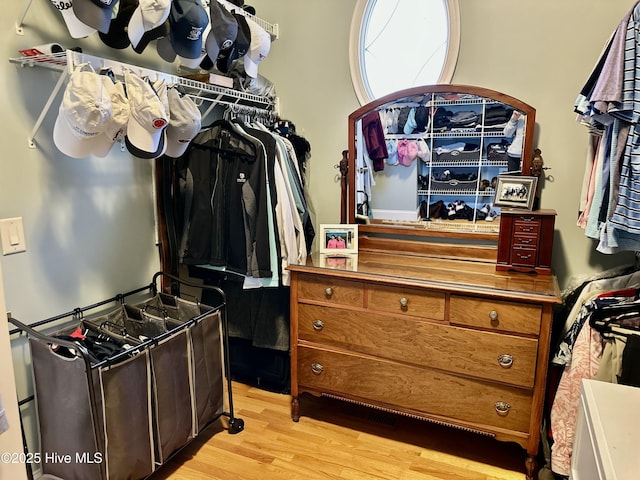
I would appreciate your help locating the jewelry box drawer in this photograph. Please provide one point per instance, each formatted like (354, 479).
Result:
(524, 225)
(495, 315)
(525, 256)
(493, 356)
(413, 389)
(331, 290)
(406, 301)
(525, 241)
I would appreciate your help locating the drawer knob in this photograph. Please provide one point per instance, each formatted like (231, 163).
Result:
(505, 360)
(318, 325)
(317, 368)
(328, 292)
(502, 408)
(493, 316)
(403, 303)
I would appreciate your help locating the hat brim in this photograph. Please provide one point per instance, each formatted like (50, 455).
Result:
(68, 142)
(77, 29)
(94, 15)
(142, 143)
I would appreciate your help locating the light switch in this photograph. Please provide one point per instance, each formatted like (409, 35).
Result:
(12, 235)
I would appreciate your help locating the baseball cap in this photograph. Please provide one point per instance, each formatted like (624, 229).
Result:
(258, 49)
(224, 30)
(151, 35)
(187, 21)
(117, 36)
(185, 121)
(167, 53)
(77, 29)
(392, 149)
(84, 114)
(117, 127)
(239, 47)
(95, 13)
(147, 120)
(149, 15)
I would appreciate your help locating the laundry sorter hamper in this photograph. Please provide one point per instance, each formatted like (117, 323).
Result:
(121, 390)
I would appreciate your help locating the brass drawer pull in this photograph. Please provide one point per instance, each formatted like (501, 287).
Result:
(502, 408)
(317, 368)
(328, 292)
(505, 360)
(318, 325)
(493, 316)
(526, 229)
(403, 303)
(524, 257)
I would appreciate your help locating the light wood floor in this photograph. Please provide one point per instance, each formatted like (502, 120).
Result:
(336, 440)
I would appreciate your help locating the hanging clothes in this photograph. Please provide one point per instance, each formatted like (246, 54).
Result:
(609, 105)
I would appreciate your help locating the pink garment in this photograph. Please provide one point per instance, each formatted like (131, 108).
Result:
(585, 360)
(589, 182)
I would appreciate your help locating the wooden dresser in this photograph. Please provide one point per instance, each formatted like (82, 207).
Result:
(450, 341)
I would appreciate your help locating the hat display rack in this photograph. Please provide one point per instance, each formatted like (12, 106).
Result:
(201, 92)
(272, 29)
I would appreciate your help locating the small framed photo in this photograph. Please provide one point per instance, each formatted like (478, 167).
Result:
(515, 191)
(338, 239)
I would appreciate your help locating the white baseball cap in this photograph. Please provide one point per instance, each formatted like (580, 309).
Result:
(117, 128)
(258, 49)
(184, 123)
(84, 114)
(77, 29)
(147, 120)
(150, 14)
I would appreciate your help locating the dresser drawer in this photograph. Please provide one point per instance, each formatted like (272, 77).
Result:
(408, 301)
(331, 290)
(493, 356)
(495, 315)
(415, 389)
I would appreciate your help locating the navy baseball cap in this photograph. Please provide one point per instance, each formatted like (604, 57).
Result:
(187, 21)
(239, 47)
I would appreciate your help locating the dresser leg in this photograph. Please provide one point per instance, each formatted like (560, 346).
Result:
(530, 465)
(295, 409)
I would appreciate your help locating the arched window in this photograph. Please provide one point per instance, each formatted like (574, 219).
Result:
(397, 44)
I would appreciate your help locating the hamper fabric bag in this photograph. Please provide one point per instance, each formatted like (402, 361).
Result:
(67, 422)
(126, 404)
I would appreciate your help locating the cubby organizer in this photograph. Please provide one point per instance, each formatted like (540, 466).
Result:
(203, 93)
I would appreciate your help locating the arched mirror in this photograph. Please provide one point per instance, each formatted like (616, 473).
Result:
(426, 161)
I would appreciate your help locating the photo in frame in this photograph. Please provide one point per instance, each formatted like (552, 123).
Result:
(515, 191)
(339, 239)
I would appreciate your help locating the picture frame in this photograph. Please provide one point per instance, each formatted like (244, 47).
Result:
(338, 239)
(515, 191)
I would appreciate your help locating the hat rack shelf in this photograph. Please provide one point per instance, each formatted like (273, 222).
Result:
(202, 93)
(271, 28)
